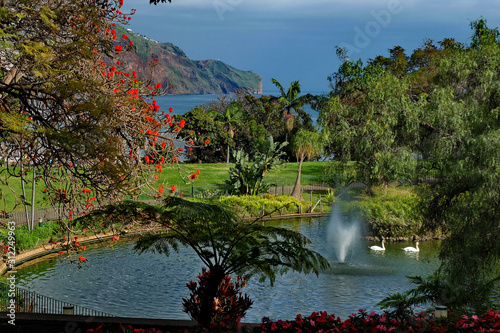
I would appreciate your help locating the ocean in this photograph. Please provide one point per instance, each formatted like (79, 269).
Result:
(184, 103)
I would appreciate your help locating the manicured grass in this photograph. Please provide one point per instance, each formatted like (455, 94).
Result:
(218, 173)
(211, 174)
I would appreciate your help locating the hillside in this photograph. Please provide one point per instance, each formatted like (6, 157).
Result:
(183, 75)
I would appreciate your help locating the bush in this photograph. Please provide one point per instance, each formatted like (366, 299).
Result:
(26, 240)
(253, 205)
(229, 306)
(392, 212)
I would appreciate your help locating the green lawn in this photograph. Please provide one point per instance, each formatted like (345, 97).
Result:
(210, 174)
(217, 173)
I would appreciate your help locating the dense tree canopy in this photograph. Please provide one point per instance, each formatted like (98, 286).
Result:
(437, 109)
(69, 110)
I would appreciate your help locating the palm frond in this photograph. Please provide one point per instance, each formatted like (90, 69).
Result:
(162, 242)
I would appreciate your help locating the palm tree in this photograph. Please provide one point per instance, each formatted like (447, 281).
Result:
(232, 118)
(224, 244)
(291, 101)
(306, 145)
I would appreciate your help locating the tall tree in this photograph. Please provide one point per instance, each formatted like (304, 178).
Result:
(377, 132)
(463, 117)
(206, 132)
(451, 126)
(306, 145)
(67, 106)
(293, 105)
(232, 118)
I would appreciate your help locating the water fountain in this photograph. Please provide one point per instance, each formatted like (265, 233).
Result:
(343, 233)
(362, 279)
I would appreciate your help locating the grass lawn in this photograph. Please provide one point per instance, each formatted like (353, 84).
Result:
(210, 174)
(217, 173)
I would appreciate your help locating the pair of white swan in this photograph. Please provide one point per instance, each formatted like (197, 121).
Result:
(407, 249)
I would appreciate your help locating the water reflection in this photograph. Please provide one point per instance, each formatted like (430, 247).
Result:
(119, 281)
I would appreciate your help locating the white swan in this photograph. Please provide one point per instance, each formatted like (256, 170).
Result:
(378, 248)
(412, 249)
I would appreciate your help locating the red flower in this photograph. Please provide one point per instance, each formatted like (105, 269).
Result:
(173, 187)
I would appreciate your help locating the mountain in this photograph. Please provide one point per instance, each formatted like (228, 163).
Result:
(183, 75)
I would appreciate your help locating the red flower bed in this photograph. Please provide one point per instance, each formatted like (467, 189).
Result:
(321, 322)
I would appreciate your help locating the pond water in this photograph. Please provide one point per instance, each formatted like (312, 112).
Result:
(121, 282)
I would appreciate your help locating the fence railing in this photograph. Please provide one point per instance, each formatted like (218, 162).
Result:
(279, 186)
(22, 300)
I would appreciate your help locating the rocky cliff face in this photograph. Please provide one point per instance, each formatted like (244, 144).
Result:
(183, 75)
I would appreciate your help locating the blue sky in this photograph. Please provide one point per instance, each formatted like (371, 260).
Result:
(295, 40)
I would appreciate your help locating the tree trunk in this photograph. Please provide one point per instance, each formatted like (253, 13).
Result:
(33, 184)
(24, 195)
(216, 275)
(227, 154)
(296, 192)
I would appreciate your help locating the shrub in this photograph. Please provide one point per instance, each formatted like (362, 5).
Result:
(392, 212)
(26, 240)
(229, 306)
(253, 205)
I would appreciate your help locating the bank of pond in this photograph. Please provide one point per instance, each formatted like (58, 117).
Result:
(118, 281)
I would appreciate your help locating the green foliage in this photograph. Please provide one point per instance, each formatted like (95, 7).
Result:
(248, 205)
(207, 133)
(392, 211)
(438, 289)
(440, 104)
(247, 177)
(26, 240)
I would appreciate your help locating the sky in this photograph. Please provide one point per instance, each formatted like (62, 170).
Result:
(293, 40)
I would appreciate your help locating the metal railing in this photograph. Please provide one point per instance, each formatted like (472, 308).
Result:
(23, 300)
(280, 186)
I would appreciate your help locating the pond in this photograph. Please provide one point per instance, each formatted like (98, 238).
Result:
(121, 282)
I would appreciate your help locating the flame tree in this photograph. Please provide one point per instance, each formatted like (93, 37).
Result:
(70, 113)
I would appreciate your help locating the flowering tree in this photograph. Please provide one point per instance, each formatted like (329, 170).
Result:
(70, 112)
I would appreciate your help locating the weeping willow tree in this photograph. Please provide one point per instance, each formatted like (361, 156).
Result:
(444, 115)
(223, 243)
